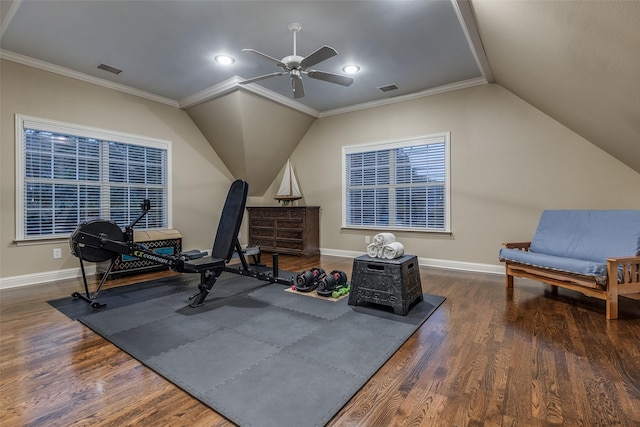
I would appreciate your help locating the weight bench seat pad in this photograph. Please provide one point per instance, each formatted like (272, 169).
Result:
(206, 263)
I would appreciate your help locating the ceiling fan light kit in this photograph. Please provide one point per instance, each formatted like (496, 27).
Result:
(295, 66)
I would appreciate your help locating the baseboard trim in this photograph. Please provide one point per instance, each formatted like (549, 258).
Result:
(430, 262)
(45, 277)
(72, 273)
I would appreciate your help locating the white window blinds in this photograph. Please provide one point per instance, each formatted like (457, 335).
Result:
(70, 174)
(398, 185)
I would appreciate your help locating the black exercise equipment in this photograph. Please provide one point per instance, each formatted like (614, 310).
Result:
(108, 231)
(331, 282)
(307, 281)
(224, 244)
(100, 240)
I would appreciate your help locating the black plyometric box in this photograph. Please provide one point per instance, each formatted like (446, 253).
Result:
(391, 282)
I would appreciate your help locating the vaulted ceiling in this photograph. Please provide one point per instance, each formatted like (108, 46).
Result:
(576, 61)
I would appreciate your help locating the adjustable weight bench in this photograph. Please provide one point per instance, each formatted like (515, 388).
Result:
(224, 245)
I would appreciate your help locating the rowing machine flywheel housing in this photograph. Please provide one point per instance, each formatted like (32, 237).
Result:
(96, 227)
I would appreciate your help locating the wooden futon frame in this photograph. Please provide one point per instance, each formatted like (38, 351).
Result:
(626, 269)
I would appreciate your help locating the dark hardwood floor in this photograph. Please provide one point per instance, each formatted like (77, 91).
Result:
(487, 357)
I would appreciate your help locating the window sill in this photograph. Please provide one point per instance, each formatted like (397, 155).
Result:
(41, 241)
(397, 230)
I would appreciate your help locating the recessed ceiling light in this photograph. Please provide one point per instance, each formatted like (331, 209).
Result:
(351, 68)
(225, 59)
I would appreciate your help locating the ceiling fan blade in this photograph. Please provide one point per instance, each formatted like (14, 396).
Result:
(266, 76)
(322, 54)
(330, 77)
(298, 88)
(267, 57)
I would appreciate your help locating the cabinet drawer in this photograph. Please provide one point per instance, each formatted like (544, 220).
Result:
(262, 241)
(275, 213)
(287, 244)
(255, 213)
(292, 224)
(289, 234)
(262, 223)
(262, 232)
(296, 213)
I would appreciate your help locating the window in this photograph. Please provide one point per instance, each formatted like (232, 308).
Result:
(398, 185)
(68, 174)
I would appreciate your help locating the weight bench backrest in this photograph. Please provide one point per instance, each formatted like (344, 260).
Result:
(230, 221)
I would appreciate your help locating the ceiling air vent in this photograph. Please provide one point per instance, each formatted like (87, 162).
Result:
(109, 68)
(387, 88)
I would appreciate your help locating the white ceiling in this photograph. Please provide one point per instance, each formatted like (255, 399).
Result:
(577, 61)
(167, 47)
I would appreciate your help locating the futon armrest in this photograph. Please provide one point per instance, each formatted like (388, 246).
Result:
(625, 260)
(517, 245)
(626, 268)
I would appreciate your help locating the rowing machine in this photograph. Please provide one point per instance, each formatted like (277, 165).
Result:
(99, 240)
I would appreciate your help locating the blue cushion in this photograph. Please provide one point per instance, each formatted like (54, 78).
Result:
(591, 235)
(571, 265)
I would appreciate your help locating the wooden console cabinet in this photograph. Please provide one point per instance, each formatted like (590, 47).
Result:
(285, 229)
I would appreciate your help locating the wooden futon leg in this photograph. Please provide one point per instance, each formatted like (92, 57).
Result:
(612, 299)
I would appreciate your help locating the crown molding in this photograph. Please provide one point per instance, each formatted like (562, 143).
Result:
(233, 84)
(401, 98)
(46, 66)
(13, 8)
(464, 11)
(280, 99)
(209, 93)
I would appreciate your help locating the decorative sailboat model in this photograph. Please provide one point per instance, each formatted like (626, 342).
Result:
(289, 189)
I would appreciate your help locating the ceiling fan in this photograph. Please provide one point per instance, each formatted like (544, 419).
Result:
(295, 66)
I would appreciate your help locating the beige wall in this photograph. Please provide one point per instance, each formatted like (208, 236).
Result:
(200, 180)
(509, 162)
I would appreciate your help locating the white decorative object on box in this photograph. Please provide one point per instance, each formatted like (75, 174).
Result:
(385, 246)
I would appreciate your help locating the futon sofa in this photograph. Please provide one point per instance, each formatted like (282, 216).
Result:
(595, 252)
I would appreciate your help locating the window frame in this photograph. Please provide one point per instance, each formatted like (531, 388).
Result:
(23, 122)
(442, 137)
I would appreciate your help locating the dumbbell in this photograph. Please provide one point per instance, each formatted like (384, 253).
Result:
(331, 282)
(308, 280)
(340, 292)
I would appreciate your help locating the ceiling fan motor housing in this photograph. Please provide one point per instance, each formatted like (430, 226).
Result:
(292, 61)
